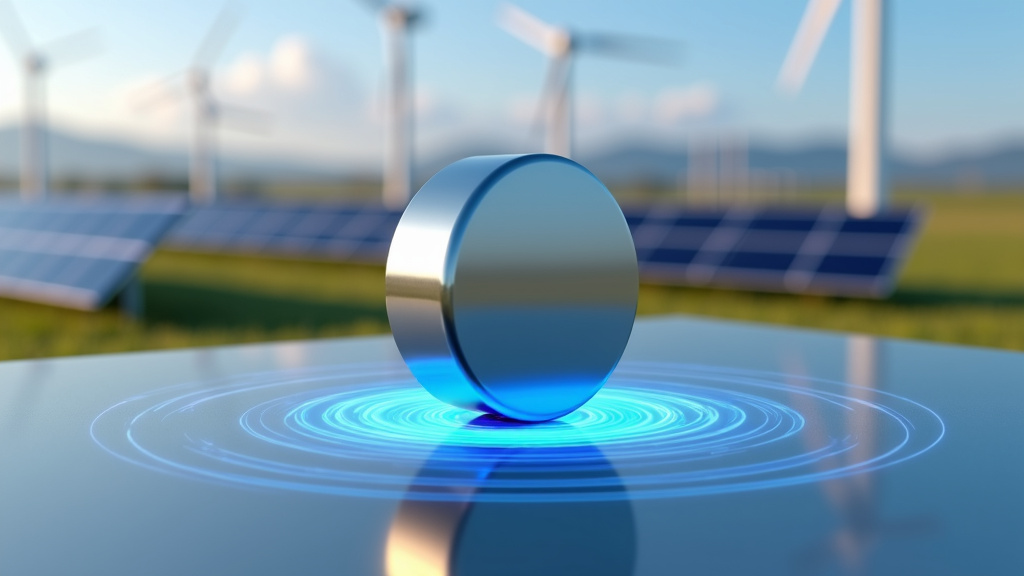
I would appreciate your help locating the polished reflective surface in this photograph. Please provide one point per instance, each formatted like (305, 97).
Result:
(469, 532)
(715, 447)
(512, 285)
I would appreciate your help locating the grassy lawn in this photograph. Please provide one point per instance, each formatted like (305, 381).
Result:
(964, 283)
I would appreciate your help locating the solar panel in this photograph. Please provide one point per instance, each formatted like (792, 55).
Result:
(813, 250)
(341, 232)
(78, 252)
(820, 250)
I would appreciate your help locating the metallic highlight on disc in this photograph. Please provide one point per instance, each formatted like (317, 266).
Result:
(512, 285)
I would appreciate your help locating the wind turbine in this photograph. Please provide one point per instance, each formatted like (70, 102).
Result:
(209, 113)
(561, 45)
(35, 62)
(867, 187)
(397, 21)
(206, 110)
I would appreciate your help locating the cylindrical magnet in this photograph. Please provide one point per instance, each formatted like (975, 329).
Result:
(512, 285)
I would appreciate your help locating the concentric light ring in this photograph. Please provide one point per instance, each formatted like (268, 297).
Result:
(659, 429)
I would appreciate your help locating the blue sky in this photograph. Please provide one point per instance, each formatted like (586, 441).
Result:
(315, 66)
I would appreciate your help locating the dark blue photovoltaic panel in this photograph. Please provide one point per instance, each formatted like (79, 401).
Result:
(769, 222)
(683, 237)
(696, 221)
(672, 256)
(14, 263)
(758, 261)
(863, 244)
(874, 226)
(345, 232)
(771, 241)
(78, 252)
(820, 250)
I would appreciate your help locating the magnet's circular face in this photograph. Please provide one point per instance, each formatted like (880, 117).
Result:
(512, 285)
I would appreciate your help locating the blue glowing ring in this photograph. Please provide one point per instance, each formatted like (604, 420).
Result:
(667, 430)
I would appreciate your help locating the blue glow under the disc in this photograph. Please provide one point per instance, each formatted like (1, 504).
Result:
(660, 430)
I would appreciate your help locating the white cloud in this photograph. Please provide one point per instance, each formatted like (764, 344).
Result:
(291, 63)
(681, 104)
(290, 67)
(246, 75)
(312, 105)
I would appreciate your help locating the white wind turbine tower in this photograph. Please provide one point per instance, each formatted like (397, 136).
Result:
(561, 46)
(397, 21)
(866, 179)
(206, 110)
(34, 179)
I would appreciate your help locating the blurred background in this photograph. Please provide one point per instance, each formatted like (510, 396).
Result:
(679, 104)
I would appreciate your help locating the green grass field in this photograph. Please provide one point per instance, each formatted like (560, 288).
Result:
(964, 283)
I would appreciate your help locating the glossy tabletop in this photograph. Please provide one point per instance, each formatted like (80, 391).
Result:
(715, 447)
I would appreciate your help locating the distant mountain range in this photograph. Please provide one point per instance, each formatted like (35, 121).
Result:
(74, 156)
(818, 163)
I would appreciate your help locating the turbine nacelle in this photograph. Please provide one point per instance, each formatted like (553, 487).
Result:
(401, 17)
(560, 44)
(34, 63)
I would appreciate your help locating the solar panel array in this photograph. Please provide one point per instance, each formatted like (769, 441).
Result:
(347, 233)
(822, 250)
(819, 250)
(78, 253)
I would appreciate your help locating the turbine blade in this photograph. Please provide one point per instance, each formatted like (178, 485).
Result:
(415, 16)
(168, 91)
(375, 5)
(631, 47)
(13, 31)
(216, 37)
(73, 47)
(802, 52)
(529, 29)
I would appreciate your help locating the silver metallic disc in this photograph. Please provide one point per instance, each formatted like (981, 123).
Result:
(512, 285)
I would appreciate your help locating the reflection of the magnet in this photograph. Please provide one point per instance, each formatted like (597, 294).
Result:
(14, 413)
(467, 534)
(206, 365)
(855, 498)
